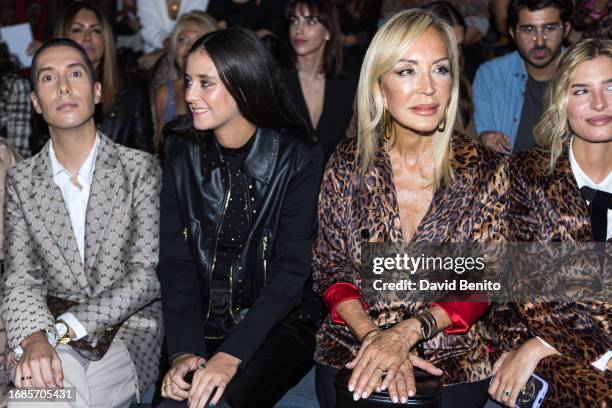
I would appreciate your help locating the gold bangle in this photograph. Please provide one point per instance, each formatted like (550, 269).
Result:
(368, 333)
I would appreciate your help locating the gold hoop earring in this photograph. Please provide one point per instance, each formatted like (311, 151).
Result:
(387, 126)
(442, 125)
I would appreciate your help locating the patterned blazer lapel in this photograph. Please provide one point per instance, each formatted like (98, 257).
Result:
(47, 197)
(106, 187)
(573, 219)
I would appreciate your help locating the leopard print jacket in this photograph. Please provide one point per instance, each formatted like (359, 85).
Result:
(470, 209)
(548, 207)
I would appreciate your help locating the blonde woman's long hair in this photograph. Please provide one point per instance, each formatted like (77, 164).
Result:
(553, 131)
(107, 74)
(389, 45)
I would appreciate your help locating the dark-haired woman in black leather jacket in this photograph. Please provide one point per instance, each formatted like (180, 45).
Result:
(238, 218)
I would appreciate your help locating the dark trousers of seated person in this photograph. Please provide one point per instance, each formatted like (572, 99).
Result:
(280, 363)
(465, 395)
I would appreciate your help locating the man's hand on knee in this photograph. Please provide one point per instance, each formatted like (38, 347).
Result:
(39, 366)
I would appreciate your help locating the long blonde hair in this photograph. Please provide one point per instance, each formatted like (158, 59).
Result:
(108, 75)
(389, 45)
(552, 131)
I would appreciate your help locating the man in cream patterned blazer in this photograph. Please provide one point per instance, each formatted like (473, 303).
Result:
(81, 224)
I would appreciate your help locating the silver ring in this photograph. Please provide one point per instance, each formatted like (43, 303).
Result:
(507, 393)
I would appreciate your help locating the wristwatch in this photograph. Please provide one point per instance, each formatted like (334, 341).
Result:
(53, 337)
(63, 332)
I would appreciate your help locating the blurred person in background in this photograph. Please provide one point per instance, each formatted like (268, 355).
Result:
(170, 97)
(359, 22)
(264, 17)
(509, 90)
(15, 105)
(128, 25)
(158, 18)
(8, 158)
(322, 93)
(446, 11)
(592, 19)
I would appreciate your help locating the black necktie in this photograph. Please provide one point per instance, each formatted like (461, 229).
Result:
(601, 202)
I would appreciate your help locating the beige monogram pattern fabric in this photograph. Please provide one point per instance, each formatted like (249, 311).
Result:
(117, 282)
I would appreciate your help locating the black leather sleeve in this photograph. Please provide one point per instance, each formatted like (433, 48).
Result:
(177, 272)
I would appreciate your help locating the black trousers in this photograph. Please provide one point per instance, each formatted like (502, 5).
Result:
(280, 363)
(466, 395)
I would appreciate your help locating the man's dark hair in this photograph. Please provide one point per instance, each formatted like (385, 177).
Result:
(564, 6)
(251, 76)
(57, 42)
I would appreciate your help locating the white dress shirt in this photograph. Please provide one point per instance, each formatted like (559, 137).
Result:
(75, 199)
(583, 180)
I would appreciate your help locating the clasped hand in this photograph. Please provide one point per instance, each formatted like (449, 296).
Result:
(513, 369)
(208, 376)
(387, 354)
(39, 366)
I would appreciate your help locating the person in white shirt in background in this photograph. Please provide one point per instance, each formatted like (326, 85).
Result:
(561, 191)
(158, 18)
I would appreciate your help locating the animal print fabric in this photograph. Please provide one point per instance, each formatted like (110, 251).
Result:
(350, 213)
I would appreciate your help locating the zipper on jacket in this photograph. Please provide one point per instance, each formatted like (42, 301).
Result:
(219, 226)
(231, 291)
(265, 261)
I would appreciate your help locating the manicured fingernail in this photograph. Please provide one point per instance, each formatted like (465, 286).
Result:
(404, 399)
(395, 400)
(411, 393)
(384, 387)
(351, 387)
(355, 396)
(439, 371)
(364, 395)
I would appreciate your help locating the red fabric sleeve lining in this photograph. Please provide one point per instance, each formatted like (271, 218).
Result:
(338, 293)
(464, 313)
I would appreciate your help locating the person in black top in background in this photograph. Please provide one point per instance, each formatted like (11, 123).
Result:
(264, 17)
(238, 207)
(124, 112)
(359, 22)
(320, 90)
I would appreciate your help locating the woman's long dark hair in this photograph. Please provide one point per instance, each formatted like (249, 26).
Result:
(251, 76)
(327, 14)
